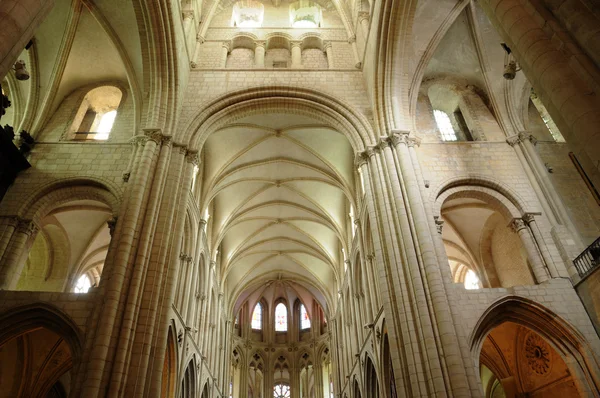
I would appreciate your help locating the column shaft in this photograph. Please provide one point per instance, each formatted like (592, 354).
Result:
(535, 259)
(259, 55)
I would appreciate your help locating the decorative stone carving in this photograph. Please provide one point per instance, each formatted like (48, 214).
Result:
(126, 176)
(439, 224)
(27, 227)
(537, 353)
(517, 224)
(192, 157)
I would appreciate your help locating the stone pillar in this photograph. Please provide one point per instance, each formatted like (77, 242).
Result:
(90, 380)
(188, 18)
(296, 55)
(363, 21)
(14, 255)
(411, 283)
(259, 54)
(225, 49)
(329, 53)
(199, 42)
(541, 245)
(560, 80)
(537, 265)
(352, 41)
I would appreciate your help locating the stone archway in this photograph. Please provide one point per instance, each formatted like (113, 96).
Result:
(541, 338)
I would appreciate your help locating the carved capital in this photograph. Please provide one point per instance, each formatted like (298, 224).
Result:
(528, 218)
(166, 140)
(296, 43)
(517, 224)
(226, 45)
(154, 135)
(352, 39)
(362, 158)
(261, 43)
(326, 45)
(363, 15)
(26, 227)
(126, 176)
(139, 140)
(192, 157)
(439, 224)
(187, 15)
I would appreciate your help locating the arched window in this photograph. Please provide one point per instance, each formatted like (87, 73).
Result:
(444, 125)
(304, 319)
(83, 284)
(257, 317)
(96, 115)
(281, 391)
(281, 318)
(472, 281)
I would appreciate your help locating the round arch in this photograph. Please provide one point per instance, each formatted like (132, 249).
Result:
(329, 109)
(66, 190)
(563, 337)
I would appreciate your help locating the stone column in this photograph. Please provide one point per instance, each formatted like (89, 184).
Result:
(225, 49)
(7, 227)
(14, 256)
(560, 80)
(329, 53)
(259, 54)
(537, 265)
(410, 278)
(199, 42)
(541, 245)
(363, 21)
(188, 18)
(352, 41)
(296, 55)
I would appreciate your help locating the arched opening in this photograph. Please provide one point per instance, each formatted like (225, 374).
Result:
(389, 380)
(515, 361)
(524, 349)
(205, 391)
(371, 383)
(256, 376)
(97, 113)
(281, 377)
(169, 374)
(39, 347)
(188, 384)
(356, 393)
(484, 240)
(69, 250)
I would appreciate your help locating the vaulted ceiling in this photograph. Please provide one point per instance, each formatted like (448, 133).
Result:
(279, 188)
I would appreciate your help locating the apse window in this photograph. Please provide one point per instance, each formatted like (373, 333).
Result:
(248, 14)
(96, 115)
(83, 284)
(281, 391)
(280, 318)
(305, 14)
(257, 317)
(444, 125)
(304, 319)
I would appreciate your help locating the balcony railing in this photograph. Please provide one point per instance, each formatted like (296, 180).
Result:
(589, 260)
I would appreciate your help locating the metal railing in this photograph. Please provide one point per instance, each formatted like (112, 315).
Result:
(589, 260)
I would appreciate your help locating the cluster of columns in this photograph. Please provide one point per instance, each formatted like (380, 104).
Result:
(260, 50)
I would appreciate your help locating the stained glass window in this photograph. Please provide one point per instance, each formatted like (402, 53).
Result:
(444, 125)
(257, 317)
(304, 319)
(280, 318)
(281, 391)
(83, 284)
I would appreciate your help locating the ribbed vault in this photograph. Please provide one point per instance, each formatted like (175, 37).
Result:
(279, 189)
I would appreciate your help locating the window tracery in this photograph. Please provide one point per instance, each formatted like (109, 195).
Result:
(83, 284)
(281, 391)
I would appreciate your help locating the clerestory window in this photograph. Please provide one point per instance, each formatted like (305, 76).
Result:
(444, 125)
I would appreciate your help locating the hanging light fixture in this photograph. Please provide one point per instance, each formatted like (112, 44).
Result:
(248, 14)
(305, 14)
